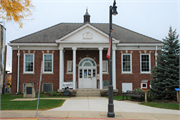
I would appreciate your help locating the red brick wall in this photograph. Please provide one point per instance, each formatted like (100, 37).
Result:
(34, 78)
(134, 78)
(14, 72)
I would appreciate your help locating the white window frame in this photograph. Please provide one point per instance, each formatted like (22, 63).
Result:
(52, 62)
(124, 85)
(149, 63)
(25, 60)
(46, 83)
(107, 66)
(142, 85)
(130, 63)
(68, 66)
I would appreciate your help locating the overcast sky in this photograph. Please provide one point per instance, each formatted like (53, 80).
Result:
(149, 17)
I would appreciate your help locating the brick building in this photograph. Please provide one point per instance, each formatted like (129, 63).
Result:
(74, 54)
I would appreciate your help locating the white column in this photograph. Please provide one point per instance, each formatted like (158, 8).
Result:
(114, 67)
(74, 67)
(60, 67)
(100, 67)
(63, 65)
(18, 54)
(156, 56)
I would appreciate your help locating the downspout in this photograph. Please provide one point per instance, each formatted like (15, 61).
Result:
(156, 56)
(18, 54)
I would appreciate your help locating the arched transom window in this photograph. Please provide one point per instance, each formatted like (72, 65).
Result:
(87, 62)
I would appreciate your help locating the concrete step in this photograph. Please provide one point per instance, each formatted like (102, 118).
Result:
(88, 93)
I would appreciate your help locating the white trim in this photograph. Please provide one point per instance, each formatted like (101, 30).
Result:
(52, 62)
(136, 45)
(87, 58)
(32, 44)
(36, 48)
(149, 62)
(69, 42)
(142, 85)
(130, 63)
(152, 48)
(86, 25)
(24, 62)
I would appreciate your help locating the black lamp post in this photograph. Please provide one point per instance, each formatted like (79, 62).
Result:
(112, 11)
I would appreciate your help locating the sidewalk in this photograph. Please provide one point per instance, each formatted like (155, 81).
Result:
(87, 114)
(95, 108)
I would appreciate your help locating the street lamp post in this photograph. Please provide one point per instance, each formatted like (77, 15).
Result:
(112, 11)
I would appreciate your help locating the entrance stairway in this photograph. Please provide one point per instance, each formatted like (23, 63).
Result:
(88, 93)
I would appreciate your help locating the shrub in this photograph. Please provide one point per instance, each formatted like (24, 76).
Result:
(139, 89)
(103, 92)
(19, 93)
(42, 92)
(59, 94)
(73, 91)
(53, 93)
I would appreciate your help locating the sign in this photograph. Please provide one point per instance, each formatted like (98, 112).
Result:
(177, 89)
(98, 76)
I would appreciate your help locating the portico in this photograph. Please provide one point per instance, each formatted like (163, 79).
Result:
(87, 70)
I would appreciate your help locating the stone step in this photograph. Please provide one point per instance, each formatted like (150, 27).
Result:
(88, 93)
(88, 90)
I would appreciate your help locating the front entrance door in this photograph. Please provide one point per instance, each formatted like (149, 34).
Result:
(87, 74)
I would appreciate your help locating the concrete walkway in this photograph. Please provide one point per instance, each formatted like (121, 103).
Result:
(101, 104)
(95, 108)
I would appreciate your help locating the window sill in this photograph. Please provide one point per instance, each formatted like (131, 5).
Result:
(47, 73)
(145, 73)
(28, 73)
(126, 73)
(105, 73)
(69, 73)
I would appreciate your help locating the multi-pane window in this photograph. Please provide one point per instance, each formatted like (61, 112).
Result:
(126, 63)
(69, 66)
(145, 63)
(29, 63)
(105, 66)
(48, 63)
(47, 87)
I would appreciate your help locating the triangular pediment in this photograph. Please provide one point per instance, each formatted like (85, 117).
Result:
(86, 33)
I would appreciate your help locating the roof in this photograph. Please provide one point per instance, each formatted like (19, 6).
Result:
(49, 35)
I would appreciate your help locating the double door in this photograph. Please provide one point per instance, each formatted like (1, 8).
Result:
(87, 78)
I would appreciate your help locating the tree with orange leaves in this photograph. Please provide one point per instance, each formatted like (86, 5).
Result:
(16, 10)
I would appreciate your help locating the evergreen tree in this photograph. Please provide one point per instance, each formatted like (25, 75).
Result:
(166, 74)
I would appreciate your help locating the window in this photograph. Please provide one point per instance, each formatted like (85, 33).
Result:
(69, 66)
(126, 86)
(105, 66)
(126, 63)
(48, 63)
(47, 87)
(145, 63)
(28, 63)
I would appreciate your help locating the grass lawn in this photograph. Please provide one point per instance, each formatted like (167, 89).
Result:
(44, 104)
(170, 105)
(46, 96)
